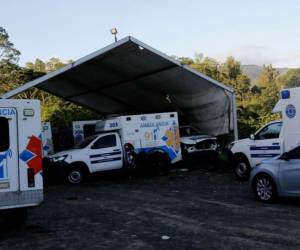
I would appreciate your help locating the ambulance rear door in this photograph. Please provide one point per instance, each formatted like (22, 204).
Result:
(9, 164)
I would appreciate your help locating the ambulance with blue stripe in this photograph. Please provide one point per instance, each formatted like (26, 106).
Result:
(272, 139)
(147, 142)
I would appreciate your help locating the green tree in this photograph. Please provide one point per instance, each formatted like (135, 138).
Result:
(291, 79)
(268, 76)
(268, 81)
(8, 53)
(37, 66)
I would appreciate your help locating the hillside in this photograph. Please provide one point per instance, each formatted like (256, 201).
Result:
(253, 71)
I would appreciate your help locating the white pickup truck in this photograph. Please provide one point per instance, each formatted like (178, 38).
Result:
(272, 139)
(124, 142)
(263, 144)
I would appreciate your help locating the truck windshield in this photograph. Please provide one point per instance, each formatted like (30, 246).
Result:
(85, 142)
(271, 131)
(188, 131)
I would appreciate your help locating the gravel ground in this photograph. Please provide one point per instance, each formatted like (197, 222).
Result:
(183, 210)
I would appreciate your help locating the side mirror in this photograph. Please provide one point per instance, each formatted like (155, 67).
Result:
(284, 156)
(252, 137)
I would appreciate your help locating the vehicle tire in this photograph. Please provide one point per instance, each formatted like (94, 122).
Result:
(264, 188)
(158, 163)
(75, 175)
(137, 164)
(241, 168)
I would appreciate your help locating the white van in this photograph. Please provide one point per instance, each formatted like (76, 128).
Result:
(83, 129)
(21, 180)
(272, 139)
(47, 140)
(126, 141)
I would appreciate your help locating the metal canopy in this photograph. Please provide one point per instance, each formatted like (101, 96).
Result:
(131, 77)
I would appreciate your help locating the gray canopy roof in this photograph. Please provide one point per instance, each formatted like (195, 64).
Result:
(131, 77)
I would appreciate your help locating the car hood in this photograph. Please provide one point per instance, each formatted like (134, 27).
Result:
(196, 139)
(272, 160)
(66, 152)
(242, 140)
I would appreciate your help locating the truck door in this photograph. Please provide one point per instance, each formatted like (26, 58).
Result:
(9, 164)
(266, 143)
(289, 173)
(106, 153)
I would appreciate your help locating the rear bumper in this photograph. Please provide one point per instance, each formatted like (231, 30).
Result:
(21, 199)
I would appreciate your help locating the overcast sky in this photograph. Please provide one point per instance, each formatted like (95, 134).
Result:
(253, 31)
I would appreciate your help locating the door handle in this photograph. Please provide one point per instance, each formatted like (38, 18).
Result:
(275, 143)
(116, 150)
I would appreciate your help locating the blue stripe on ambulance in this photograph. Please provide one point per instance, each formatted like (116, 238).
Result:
(264, 147)
(105, 154)
(263, 155)
(172, 154)
(106, 160)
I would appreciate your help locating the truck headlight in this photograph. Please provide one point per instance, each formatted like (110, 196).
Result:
(59, 158)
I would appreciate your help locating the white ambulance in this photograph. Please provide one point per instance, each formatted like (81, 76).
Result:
(21, 180)
(83, 129)
(47, 140)
(131, 142)
(272, 139)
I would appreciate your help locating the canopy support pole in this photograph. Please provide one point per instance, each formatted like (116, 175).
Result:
(235, 123)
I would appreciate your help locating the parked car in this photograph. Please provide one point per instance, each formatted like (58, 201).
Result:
(279, 176)
(193, 142)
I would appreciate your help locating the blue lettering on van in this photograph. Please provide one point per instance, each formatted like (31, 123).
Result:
(154, 124)
(113, 125)
(7, 111)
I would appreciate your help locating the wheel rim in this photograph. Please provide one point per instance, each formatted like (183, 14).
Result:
(264, 189)
(75, 176)
(241, 169)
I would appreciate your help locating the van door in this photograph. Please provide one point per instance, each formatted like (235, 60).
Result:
(289, 173)
(9, 164)
(266, 143)
(106, 153)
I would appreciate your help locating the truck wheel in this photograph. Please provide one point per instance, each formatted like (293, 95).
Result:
(241, 168)
(137, 164)
(158, 163)
(75, 175)
(264, 188)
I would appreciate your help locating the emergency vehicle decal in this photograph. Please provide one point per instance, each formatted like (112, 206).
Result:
(264, 148)
(3, 158)
(172, 138)
(93, 161)
(290, 111)
(32, 155)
